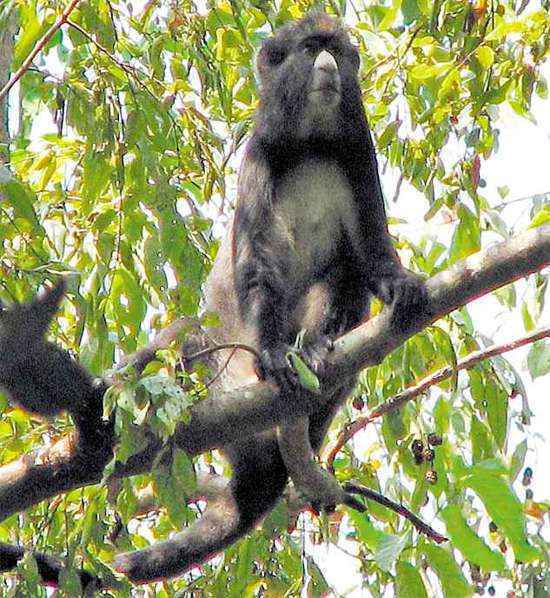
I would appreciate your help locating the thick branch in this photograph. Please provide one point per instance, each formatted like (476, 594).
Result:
(222, 418)
(465, 281)
(49, 567)
(412, 392)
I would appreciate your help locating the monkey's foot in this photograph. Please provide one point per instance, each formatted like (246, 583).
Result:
(322, 491)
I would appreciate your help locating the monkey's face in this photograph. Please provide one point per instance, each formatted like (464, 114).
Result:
(308, 77)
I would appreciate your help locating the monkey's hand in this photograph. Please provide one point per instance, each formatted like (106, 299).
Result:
(405, 294)
(277, 363)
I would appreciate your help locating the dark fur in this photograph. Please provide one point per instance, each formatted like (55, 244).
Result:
(36, 374)
(363, 266)
(260, 301)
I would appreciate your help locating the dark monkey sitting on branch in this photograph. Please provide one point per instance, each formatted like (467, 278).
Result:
(307, 248)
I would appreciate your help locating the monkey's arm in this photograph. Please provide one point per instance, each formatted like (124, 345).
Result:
(386, 277)
(259, 272)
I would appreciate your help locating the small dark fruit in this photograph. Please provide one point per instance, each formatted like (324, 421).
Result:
(417, 447)
(491, 591)
(434, 439)
(529, 494)
(431, 476)
(428, 454)
(493, 527)
(358, 403)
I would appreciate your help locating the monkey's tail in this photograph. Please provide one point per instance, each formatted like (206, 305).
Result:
(234, 510)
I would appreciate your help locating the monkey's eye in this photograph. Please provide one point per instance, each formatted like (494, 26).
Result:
(274, 54)
(312, 45)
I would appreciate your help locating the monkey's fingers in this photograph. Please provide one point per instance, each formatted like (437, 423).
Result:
(274, 365)
(315, 354)
(408, 297)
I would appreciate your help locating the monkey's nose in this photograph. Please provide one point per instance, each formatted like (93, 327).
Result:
(325, 62)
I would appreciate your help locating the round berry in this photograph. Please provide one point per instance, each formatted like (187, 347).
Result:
(434, 439)
(431, 476)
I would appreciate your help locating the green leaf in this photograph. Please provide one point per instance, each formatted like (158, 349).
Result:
(468, 542)
(408, 582)
(482, 447)
(428, 71)
(307, 378)
(486, 56)
(388, 135)
(18, 196)
(538, 359)
(504, 509)
(442, 413)
(467, 236)
(386, 548)
(366, 532)
(32, 31)
(518, 459)
(541, 217)
(496, 401)
(389, 549)
(452, 580)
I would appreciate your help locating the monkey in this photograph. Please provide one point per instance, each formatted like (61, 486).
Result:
(307, 248)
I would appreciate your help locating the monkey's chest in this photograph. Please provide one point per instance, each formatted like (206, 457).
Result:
(316, 214)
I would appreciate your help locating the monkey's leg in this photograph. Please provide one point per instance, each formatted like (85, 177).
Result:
(259, 480)
(301, 440)
(317, 486)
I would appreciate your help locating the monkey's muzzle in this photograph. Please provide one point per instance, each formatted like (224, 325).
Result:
(325, 83)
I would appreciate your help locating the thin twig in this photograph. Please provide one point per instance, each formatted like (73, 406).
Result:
(129, 69)
(221, 370)
(215, 348)
(399, 400)
(420, 525)
(505, 203)
(60, 21)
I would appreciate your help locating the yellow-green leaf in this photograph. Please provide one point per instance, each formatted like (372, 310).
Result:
(486, 56)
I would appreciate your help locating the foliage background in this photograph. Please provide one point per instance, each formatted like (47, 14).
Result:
(146, 108)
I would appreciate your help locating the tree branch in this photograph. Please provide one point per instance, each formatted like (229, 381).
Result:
(412, 392)
(222, 418)
(49, 567)
(59, 22)
(7, 41)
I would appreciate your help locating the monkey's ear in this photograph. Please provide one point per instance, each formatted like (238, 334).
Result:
(48, 302)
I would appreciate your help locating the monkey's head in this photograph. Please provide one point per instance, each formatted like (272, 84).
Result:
(309, 90)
